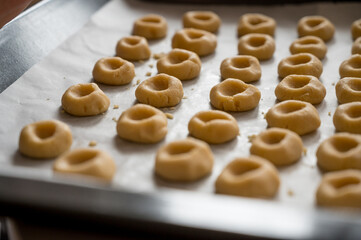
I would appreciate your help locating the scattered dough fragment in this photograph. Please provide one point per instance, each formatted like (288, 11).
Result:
(92, 143)
(169, 115)
(115, 106)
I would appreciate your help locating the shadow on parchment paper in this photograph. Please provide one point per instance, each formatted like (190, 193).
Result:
(124, 146)
(20, 160)
(113, 89)
(78, 121)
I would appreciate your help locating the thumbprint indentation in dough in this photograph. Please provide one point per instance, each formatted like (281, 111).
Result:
(313, 23)
(81, 157)
(178, 58)
(343, 144)
(240, 169)
(274, 138)
(83, 90)
(240, 63)
(151, 19)
(159, 84)
(293, 107)
(194, 34)
(301, 82)
(202, 17)
(300, 59)
(355, 85)
(257, 41)
(345, 182)
(180, 149)
(45, 130)
(354, 111)
(255, 21)
(141, 115)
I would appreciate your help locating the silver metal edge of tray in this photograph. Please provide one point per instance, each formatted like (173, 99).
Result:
(179, 213)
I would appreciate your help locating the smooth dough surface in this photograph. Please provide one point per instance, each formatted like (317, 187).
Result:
(301, 64)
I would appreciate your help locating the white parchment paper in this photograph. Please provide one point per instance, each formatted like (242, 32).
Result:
(37, 94)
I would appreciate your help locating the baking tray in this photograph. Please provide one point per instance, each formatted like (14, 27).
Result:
(184, 213)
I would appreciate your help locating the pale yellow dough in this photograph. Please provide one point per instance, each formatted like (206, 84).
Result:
(260, 45)
(256, 23)
(348, 89)
(204, 20)
(151, 27)
(351, 67)
(347, 117)
(245, 68)
(45, 139)
(85, 99)
(184, 160)
(213, 126)
(316, 26)
(249, 177)
(356, 46)
(340, 151)
(356, 29)
(86, 161)
(301, 64)
(142, 123)
(133, 48)
(309, 44)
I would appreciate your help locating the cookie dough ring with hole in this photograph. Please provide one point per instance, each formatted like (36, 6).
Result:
(300, 117)
(245, 68)
(199, 41)
(249, 177)
(340, 189)
(305, 88)
(309, 44)
(356, 46)
(347, 117)
(316, 26)
(234, 95)
(340, 151)
(113, 71)
(162, 90)
(300, 64)
(45, 139)
(151, 27)
(351, 67)
(204, 20)
(356, 29)
(213, 126)
(133, 48)
(256, 23)
(86, 161)
(279, 146)
(85, 99)
(184, 160)
(180, 63)
(143, 124)
(348, 89)
(259, 45)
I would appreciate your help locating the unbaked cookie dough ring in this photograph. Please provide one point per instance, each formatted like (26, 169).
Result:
(113, 71)
(162, 90)
(86, 161)
(256, 23)
(300, 117)
(245, 68)
(351, 67)
(213, 126)
(356, 46)
(184, 160)
(85, 99)
(259, 45)
(204, 20)
(309, 44)
(180, 63)
(234, 95)
(279, 146)
(300, 64)
(348, 89)
(199, 41)
(339, 152)
(151, 27)
(45, 139)
(340, 189)
(143, 124)
(347, 117)
(133, 48)
(316, 26)
(252, 177)
(356, 29)
(301, 87)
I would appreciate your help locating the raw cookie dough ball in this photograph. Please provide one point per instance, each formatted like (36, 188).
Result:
(356, 29)
(151, 27)
(245, 68)
(340, 189)
(279, 146)
(340, 151)
(85, 99)
(213, 126)
(161, 90)
(204, 20)
(351, 67)
(347, 117)
(113, 71)
(356, 46)
(180, 63)
(133, 48)
(301, 64)
(199, 41)
(249, 177)
(316, 26)
(300, 117)
(142, 123)
(184, 160)
(301, 87)
(45, 139)
(234, 95)
(256, 23)
(259, 45)
(86, 161)
(348, 89)
(309, 44)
